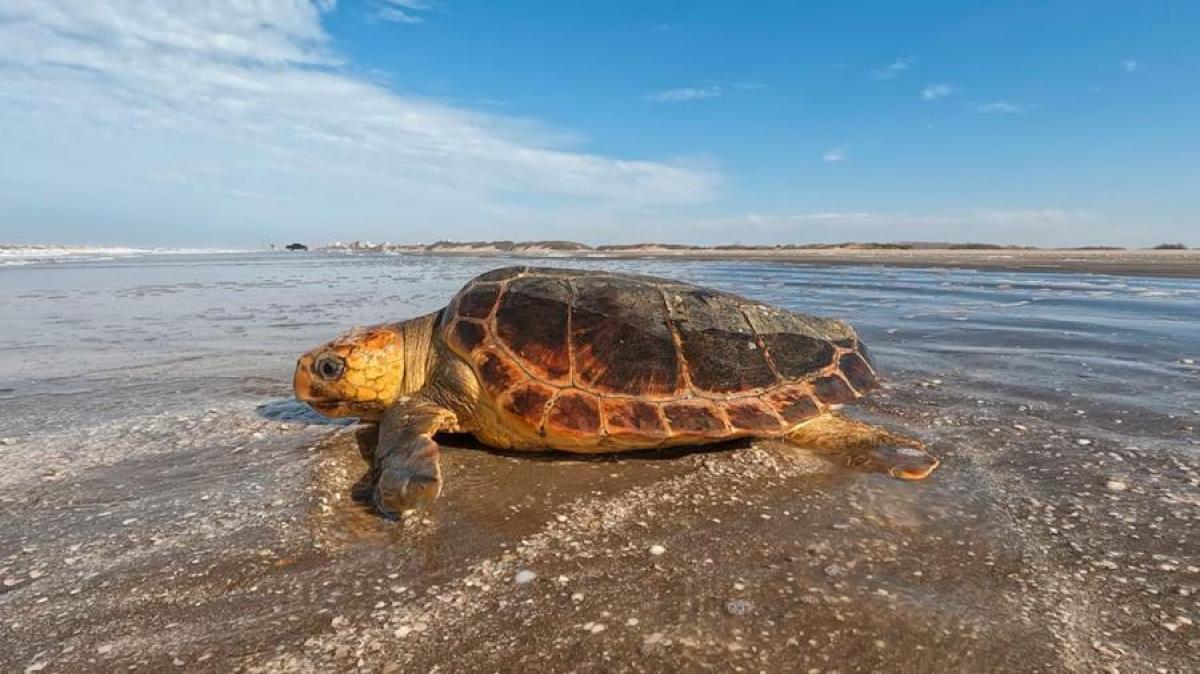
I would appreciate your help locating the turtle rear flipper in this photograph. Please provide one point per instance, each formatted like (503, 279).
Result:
(863, 446)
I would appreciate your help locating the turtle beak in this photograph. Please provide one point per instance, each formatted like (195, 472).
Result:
(302, 381)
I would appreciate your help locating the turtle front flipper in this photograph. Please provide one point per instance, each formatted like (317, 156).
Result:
(406, 472)
(866, 447)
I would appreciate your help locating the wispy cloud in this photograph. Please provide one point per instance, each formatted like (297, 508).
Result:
(253, 96)
(400, 11)
(834, 154)
(892, 70)
(684, 94)
(932, 92)
(1000, 108)
(1130, 66)
(1032, 216)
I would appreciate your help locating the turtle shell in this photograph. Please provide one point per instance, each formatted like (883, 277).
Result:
(639, 361)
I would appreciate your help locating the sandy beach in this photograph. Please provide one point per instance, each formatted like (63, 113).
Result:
(166, 505)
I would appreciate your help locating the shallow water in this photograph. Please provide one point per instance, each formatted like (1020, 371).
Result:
(147, 428)
(63, 321)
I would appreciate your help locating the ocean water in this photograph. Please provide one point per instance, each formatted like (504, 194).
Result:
(92, 325)
(164, 500)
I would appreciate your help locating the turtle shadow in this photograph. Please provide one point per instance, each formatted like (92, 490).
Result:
(473, 454)
(468, 442)
(366, 435)
(293, 411)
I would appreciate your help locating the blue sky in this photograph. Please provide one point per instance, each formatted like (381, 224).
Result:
(214, 123)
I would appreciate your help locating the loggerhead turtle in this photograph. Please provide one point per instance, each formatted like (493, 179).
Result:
(533, 358)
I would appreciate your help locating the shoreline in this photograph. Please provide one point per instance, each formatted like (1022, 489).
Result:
(1157, 263)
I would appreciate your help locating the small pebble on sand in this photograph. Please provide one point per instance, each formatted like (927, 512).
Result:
(524, 576)
(738, 607)
(835, 570)
(657, 550)
(1083, 442)
(1116, 485)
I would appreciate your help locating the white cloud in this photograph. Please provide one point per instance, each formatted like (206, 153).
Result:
(834, 154)
(1129, 65)
(932, 92)
(165, 112)
(685, 94)
(892, 70)
(400, 11)
(1000, 108)
(827, 216)
(1032, 216)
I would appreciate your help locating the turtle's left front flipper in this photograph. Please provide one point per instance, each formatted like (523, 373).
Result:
(866, 447)
(406, 469)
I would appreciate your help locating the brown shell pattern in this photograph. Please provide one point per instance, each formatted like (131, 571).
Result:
(643, 359)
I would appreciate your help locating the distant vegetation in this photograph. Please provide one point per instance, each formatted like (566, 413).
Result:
(1170, 246)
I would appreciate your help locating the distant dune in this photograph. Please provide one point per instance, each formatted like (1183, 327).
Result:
(509, 247)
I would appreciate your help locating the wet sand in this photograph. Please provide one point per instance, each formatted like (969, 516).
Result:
(166, 506)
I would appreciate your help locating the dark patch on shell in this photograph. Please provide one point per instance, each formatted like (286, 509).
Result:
(798, 344)
(575, 411)
(633, 417)
(693, 418)
(532, 321)
(529, 402)
(833, 390)
(621, 340)
(478, 301)
(857, 372)
(751, 415)
(468, 334)
(794, 405)
(720, 348)
(797, 356)
(498, 375)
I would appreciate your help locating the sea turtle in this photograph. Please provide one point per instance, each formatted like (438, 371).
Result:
(529, 358)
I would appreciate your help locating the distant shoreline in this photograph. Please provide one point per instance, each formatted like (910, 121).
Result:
(1146, 262)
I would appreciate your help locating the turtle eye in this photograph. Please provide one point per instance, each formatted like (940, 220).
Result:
(330, 367)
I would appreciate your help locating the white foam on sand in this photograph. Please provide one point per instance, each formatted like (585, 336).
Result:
(29, 254)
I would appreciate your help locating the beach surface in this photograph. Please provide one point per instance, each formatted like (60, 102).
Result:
(165, 504)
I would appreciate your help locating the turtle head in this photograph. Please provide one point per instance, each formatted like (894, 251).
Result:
(358, 374)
